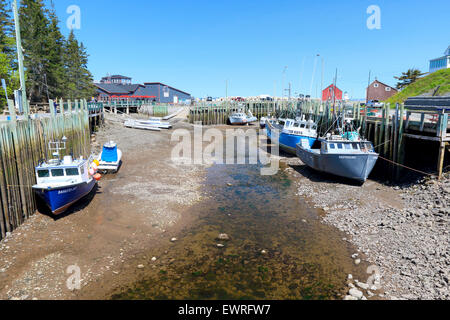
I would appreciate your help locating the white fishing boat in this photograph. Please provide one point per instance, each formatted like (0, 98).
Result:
(241, 118)
(62, 182)
(110, 158)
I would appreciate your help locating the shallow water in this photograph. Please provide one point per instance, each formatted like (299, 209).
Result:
(305, 259)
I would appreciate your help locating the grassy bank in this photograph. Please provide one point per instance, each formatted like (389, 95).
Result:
(424, 85)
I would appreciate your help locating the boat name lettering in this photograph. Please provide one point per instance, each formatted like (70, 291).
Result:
(67, 190)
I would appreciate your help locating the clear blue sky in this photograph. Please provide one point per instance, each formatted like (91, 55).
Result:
(196, 46)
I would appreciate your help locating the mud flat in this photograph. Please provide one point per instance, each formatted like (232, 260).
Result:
(402, 230)
(137, 209)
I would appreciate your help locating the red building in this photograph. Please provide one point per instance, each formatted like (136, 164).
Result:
(328, 94)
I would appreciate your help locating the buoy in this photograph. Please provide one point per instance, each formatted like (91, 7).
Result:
(91, 171)
(97, 162)
(97, 176)
(94, 166)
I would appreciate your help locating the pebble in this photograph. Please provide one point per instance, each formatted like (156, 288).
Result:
(363, 285)
(141, 266)
(350, 277)
(173, 239)
(219, 245)
(350, 298)
(263, 251)
(223, 237)
(154, 259)
(408, 242)
(355, 293)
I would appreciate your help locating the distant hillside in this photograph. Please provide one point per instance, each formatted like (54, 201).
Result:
(425, 86)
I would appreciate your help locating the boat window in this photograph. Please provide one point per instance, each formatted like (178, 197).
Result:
(339, 145)
(296, 125)
(82, 170)
(57, 173)
(72, 172)
(332, 146)
(43, 173)
(369, 146)
(355, 146)
(348, 146)
(302, 125)
(314, 127)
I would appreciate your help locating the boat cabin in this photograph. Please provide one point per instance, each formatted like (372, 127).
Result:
(300, 127)
(62, 172)
(337, 146)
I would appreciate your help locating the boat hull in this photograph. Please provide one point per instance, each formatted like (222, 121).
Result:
(60, 199)
(287, 142)
(238, 121)
(352, 166)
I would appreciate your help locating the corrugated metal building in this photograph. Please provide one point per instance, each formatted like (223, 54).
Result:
(121, 88)
(163, 93)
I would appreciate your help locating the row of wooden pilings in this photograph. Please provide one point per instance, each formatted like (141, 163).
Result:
(24, 143)
(384, 127)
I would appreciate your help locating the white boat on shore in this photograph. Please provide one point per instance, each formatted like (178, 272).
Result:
(241, 118)
(110, 158)
(134, 124)
(156, 122)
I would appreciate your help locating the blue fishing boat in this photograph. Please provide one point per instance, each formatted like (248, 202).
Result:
(61, 183)
(345, 155)
(289, 134)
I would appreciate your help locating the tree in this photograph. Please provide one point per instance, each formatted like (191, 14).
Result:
(408, 77)
(54, 80)
(34, 32)
(79, 81)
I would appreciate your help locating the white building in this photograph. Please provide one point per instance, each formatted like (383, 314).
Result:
(441, 63)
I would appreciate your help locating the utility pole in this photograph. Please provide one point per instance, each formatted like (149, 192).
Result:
(22, 89)
(289, 90)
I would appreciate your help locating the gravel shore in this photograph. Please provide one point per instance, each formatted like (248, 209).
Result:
(402, 231)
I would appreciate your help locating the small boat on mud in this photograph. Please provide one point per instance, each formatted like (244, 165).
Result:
(288, 135)
(61, 183)
(156, 122)
(110, 158)
(345, 155)
(241, 118)
(153, 124)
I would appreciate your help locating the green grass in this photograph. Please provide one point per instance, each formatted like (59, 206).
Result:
(424, 85)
